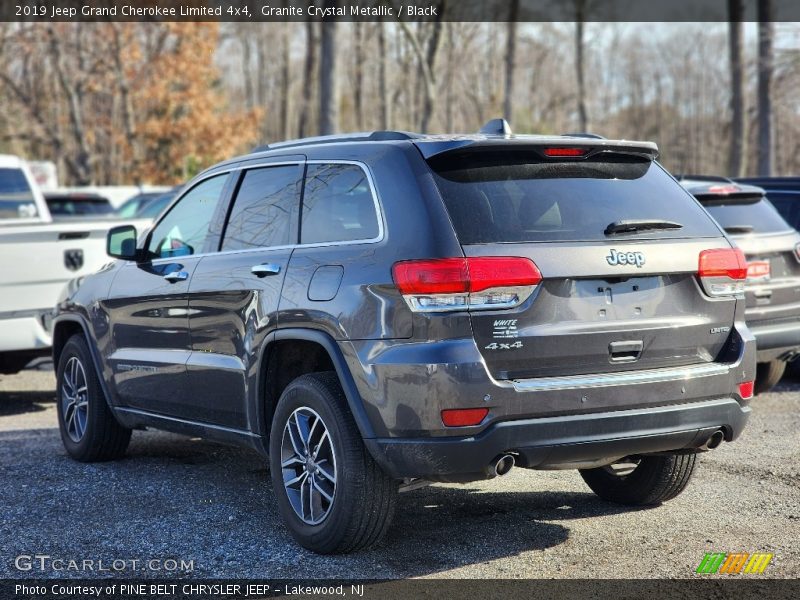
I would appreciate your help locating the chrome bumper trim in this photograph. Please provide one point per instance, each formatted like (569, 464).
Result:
(541, 384)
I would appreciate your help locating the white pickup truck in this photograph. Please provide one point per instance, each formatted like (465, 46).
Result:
(37, 260)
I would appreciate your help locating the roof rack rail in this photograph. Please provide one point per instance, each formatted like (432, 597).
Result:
(590, 136)
(364, 136)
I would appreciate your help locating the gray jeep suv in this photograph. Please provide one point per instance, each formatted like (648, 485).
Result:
(377, 311)
(772, 249)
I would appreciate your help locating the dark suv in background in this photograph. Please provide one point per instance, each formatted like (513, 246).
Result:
(772, 249)
(376, 311)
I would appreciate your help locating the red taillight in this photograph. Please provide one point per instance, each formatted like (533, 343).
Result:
(463, 417)
(439, 276)
(722, 271)
(556, 152)
(459, 283)
(746, 389)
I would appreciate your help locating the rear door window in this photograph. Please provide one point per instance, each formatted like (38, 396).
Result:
(504, 196)
(338, 205)
(16, 196)
(264, 213)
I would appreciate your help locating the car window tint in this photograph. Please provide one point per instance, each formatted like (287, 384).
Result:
(754, 212)
(338, 205)
(184, 229)
(788, 205)
(515, 196)
(262, 212)
(16, 196)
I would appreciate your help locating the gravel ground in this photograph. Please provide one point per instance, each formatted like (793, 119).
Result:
(188, 499)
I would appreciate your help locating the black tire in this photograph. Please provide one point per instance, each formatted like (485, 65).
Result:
(364, 497)
(655, 479)
(101, 437)
(768, 374)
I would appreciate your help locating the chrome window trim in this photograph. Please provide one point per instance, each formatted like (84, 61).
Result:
(598, 380)
(370, 180)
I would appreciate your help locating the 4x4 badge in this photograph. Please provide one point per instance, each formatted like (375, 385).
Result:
(615, 258)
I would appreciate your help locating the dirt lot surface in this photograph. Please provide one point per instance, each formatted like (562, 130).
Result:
(181, 499)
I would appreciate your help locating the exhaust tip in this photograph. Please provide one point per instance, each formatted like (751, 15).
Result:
(715, 440)
(504, 464)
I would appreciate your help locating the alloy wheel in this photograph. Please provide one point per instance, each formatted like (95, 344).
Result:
(308, 464)
(75, 399)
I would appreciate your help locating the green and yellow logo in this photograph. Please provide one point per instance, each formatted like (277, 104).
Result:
(734, 563)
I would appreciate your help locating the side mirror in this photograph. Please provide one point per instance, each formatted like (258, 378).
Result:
(121, 242)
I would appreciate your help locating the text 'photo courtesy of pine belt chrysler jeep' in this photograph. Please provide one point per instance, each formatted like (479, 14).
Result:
(376, 311)
(772, 249)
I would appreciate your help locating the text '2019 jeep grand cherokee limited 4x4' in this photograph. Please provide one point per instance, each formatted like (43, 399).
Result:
(375, 309)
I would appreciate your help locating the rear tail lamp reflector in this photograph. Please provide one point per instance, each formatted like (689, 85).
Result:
(746, 389)
(463, 417)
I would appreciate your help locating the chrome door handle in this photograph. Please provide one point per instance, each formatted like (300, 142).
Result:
(176, 276)
(265, 269)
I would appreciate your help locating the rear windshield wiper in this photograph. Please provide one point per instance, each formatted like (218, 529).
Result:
(633, 225)
(739, 229)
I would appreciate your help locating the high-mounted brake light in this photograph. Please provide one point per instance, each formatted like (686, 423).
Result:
(723, 189)
(558, 152)
(448, 284)
(722, 271)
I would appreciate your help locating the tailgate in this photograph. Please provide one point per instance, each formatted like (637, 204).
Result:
(588, 316)
(38, 261)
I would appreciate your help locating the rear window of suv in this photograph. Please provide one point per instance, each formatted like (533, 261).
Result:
(740, 215)
(518, 197)
(16, 196)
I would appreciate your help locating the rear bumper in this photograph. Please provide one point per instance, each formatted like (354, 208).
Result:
(776, 340)
(557, 441)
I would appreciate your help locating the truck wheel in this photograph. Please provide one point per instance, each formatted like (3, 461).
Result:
(646, 480)
(331, 494)
(768, 374)
(89, 431)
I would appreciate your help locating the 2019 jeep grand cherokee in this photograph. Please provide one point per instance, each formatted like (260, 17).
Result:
(375, 309)
(772, 249)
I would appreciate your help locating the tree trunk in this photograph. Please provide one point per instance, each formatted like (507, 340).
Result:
(309, 69)
(328, 96)
(511, 51)
(580, 15)
(285, 79)
(427, 64)
(735, 35)
(383, 88)
(766, 33)
(358, 75)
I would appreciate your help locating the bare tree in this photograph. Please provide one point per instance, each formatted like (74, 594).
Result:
(580, 17)
(738, 137)
(383, 87)
(510, 59)
(766, 33)
(328, 92)
(309, 69)
(426, 56)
